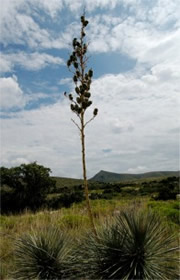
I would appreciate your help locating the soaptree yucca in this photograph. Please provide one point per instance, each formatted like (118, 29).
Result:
(44, 254)
(82, 78)
(135, 246)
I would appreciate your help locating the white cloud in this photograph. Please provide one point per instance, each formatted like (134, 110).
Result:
(22, 22)
(30, 61)
(46, 135)
(138, 169)
(33, 97)
(18, 161)
(140, 34)
(135, 121)
(108, 4)
(65, 81)
(164, 12)
(11, 94)
(5, 65)
(139, 40)
(20, 28)
(138, 110)
(90, 5)
(50, 7)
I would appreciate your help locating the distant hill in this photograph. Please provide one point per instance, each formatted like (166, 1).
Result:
(105, 176)
(62, 182)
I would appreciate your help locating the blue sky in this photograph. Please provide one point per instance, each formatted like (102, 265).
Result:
(134, 52)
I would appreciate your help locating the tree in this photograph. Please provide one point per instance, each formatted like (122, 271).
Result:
(168, 188)
(24, 186)
(82, 79)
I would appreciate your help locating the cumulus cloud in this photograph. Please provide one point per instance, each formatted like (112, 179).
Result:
(20, 25)
(11, 95)
(50, 7)
(134, 123)
(139, 40)
(65, 81)
(90, 5)
(6, 65)
(137, 121)
(22, 29)
(29, 61)
(138, 169)
(20, 21)
(45, 135)
(140, 34)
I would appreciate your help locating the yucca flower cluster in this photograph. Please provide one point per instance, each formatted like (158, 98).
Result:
(77, 61)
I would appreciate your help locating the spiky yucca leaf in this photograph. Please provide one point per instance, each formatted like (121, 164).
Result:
(135, 246)
(43, 254)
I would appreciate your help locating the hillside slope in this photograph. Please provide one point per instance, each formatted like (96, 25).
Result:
(105, 176)
(62, 182)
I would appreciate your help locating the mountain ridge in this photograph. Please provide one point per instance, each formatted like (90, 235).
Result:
(106, 176)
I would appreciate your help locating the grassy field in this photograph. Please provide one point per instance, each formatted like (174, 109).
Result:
(74, 220)
(108, 199)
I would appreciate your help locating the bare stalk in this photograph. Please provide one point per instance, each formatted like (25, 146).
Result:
(85, 177)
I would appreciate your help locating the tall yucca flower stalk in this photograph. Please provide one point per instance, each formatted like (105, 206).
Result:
(135, 246)
(82, 79)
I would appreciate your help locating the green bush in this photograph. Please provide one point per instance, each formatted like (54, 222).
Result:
(64, 199)
(168, 188)
(96, 195)
(68, 198)
(134, 246)
(169, 209)
(129, 191)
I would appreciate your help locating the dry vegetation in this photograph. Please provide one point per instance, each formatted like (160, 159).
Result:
(73, 221)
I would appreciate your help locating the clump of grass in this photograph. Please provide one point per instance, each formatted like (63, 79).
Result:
(74, 221)
(44, 254)
(102, 207)
(135, 246)
(6, 256)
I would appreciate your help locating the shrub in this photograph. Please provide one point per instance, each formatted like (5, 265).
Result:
(44, 254)
(95, 195)
(134, 246)
(173, 215)
(53, 201)
(129, 191)
(65, 199)
(169, 209)
(168, 188)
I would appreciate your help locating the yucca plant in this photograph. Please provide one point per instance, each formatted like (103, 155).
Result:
(81, 100)
(135, 246)
(44, 254)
